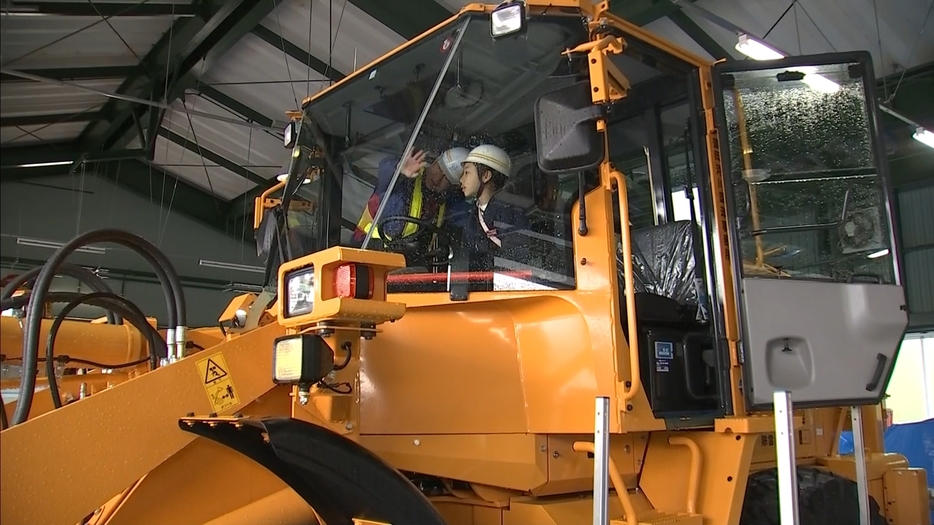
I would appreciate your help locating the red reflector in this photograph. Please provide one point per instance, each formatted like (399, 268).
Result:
(353, 281)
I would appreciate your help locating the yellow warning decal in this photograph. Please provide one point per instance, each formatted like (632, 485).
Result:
(215, 376)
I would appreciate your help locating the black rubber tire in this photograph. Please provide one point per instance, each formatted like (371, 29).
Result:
(824, 498)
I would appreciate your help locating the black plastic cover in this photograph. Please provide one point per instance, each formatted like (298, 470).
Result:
(566, 135)
(663, 261)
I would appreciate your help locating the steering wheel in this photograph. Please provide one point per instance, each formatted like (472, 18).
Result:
(410, 245)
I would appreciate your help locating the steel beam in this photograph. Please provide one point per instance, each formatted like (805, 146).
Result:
(703, 39)
(98, 9)
(191, 145)
(416, 17)
(274, 39)
(181, 52)
(234, 105)
(50, 119)
(74, 73)
(643, 12)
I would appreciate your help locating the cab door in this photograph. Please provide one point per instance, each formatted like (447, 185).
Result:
(816, 266)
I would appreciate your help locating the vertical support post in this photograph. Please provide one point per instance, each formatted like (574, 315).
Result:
(601, 461)
(785, 452)
(859, 453)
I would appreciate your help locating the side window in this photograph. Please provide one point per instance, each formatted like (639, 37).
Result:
(628, 142)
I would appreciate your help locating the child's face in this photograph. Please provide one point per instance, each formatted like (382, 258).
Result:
(470, 182)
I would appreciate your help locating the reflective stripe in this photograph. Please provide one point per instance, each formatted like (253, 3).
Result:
(415, 210)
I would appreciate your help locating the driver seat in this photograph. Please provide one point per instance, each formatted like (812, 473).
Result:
(677, 352)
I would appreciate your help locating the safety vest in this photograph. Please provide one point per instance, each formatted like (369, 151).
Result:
(415, 210)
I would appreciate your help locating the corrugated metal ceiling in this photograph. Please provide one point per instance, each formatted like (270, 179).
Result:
(271, 69)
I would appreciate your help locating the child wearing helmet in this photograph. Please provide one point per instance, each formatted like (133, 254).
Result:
(422, 190)
(487, 233)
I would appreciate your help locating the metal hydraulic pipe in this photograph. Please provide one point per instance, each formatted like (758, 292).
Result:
(101, 343)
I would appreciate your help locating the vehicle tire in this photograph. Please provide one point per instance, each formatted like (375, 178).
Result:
(824, 498)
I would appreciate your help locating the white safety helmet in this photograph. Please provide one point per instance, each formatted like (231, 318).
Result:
(452, 163)
(491, 156)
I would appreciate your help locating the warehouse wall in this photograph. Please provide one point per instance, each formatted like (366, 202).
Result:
(57, 209)
(916, 223)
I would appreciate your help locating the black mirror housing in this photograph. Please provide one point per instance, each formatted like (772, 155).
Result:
(566, 135)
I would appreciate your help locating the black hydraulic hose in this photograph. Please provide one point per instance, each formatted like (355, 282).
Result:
(161, 265)
(136, 318)
(119, 305)
(83, 275)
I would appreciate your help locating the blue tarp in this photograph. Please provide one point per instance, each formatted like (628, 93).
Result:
(915, 441)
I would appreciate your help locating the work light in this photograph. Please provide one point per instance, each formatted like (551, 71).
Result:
(288, 135)
(301, 359)
(508, 18)
(300, 291)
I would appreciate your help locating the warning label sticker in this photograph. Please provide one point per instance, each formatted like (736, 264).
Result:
(217, 382)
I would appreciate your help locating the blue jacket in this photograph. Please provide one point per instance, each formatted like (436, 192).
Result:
(400, 200)
(508, 221)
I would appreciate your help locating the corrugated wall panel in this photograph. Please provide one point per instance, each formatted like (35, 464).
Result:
(919, 279)
(916, 225)
(916, 216)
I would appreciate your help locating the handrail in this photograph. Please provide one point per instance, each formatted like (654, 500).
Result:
(258, 203)
(635, 372)
(621, 491)
(694, 474)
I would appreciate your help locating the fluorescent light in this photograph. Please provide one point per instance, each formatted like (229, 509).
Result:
(924, 137)
(231, 266)
(819, 83)
(284, 176)
(54, 245)
(46, 164)
(880, 253)
(757, 50)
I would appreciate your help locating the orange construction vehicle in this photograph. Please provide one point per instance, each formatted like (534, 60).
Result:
(624, 285)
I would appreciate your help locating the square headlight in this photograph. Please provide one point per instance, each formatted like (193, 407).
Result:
(301, 359)
(300, 292)
(507, 18)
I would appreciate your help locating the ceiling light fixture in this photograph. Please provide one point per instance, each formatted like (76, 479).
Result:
(924, 137)
(46, 164)
(231, 266)
(880, 253)
(758, 50)
(54, 245)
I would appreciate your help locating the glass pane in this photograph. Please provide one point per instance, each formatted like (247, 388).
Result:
(809, 202)
(628, 142)
(486, 97)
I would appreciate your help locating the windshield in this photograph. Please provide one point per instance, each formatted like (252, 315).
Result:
(494, 221)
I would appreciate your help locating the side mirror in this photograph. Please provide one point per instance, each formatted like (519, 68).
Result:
(566, 135)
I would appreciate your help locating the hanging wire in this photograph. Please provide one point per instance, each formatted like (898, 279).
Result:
(112, 28)
(311, 6)
(246, 184)
(798, 31)
(333, 40)
(875, 10)
(785, 12)
(77, 31)
(913, 49)
(819, 30)
(285, 56)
